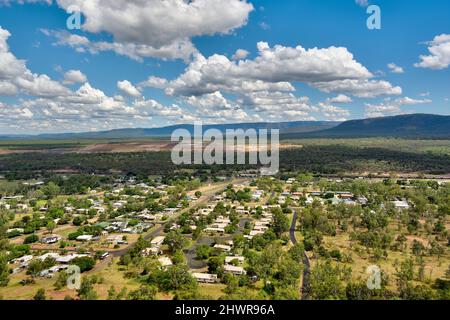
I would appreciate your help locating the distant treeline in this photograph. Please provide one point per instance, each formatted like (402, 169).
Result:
(318, 159)
(337, 159)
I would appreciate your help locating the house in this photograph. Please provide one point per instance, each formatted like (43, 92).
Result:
(117, 225)
(237, 271)
(229, 260)
(222, 220)
(51, 239)
(67, 258)
(157, 241)
(219, 225)
(256, 196)
(349, 202)
(170, 211)
(401, 205)
(115, 239)
(23, 259)
(128, 230)
(85, 238)
(146, 216)
(205, 277)
(344, 195)
(362, 200)
(242, 211)
(99, 209)
(151, 251)
(222, 247)
(165, 262)
(18, 230)
(261, 226)
(255, 233)
(215, 230)
(119, 204)
(50, 255)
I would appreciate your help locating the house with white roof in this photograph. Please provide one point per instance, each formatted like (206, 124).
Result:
(157, 241)
(206, 277)
(237, 271)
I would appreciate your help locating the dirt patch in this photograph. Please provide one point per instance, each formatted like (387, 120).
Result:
(11, 151)
(127, 147)
(411, 239)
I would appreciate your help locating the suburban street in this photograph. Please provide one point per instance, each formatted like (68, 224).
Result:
(306, 263)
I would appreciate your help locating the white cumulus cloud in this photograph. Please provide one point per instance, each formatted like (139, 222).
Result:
(127, 88)
(74, 76)
(439, 57)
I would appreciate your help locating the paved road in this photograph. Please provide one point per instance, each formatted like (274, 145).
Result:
(306, 263)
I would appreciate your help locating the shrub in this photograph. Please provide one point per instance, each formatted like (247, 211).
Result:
(84, 263)
(31, 239)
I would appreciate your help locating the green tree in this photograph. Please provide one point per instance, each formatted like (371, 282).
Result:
(405, 270)
(31, 239)
(143, 293)
(51, 225)
(203, 252)
(85, 263)
(264, 264)
(112, 293)
(86, 291)
(325, 283)
(4, 270)
(280, 223)
(297, 252)
(50, 190)
(61, 280)
(40, 295)
(175, 278)
(215, 265)
(175, 240)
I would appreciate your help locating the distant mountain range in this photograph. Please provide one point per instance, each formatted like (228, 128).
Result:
(284, 127)
(404, 126)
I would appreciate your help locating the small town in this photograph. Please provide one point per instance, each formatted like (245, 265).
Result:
(242, 237)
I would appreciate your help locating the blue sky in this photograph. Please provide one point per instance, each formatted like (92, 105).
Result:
(173, 61)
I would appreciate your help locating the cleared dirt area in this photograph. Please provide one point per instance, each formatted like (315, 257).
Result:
(8, 151)
(126, 147)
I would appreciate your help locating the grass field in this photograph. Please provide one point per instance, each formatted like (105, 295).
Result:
(434, 268)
